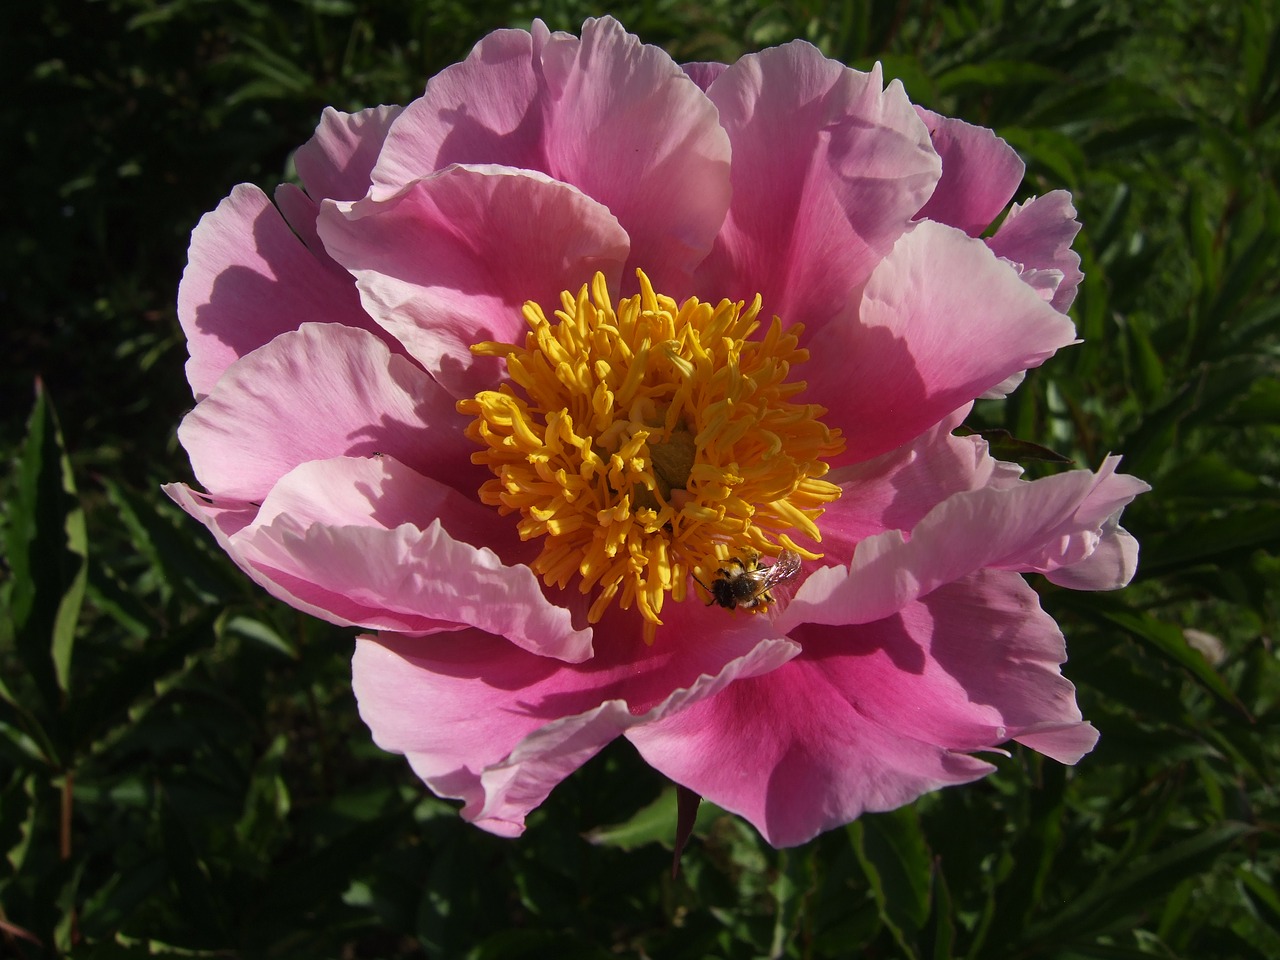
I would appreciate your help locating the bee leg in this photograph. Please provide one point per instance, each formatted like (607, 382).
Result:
(704, 587)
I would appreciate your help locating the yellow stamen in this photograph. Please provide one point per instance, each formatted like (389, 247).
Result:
(651, 442)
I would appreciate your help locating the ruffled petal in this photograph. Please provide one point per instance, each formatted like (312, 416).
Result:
(482, 110)
(485, 722)
(895, 490)
(318, 392)
(334, 164)
(629, 129)
(1104, 555)
(980, 652)
(380, 546)
(614, 117)
(450, 260)
(224, 518)
(840, 730)
(704, 73)
(941, 321)
(828, 169)
(789, 753)
(980, 174)
(337, 162)
(1040, 525)
(1066, 743)
(1037, 236)
(300, 212)
(1111, 566)
(248, 279)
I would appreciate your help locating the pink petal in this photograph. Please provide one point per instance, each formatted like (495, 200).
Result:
(323, 391)
(1004, 387)
(612, 116)
(1064, 743)
(1037, 235)
(980, 173)
(336, 163)
(1106, 557)
(249, 279)
(828, 169)
(450, 260)
(704, 73)
(370, 543)
(941, 321)
(483, 110)
(224, 518)
(1111, 566)
(896, 489)
(1038, 525)
(374, 544)
(498, 728)
(869, 717)
(383, 493)
(980, 652)
(629, 129)
(787, 752)
(300, 212)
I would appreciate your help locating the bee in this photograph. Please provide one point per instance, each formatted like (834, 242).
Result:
(746, 583)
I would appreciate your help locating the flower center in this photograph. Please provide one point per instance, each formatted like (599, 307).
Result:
(651, 442)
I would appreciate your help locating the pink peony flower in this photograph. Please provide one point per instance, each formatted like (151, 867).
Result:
(540, 376)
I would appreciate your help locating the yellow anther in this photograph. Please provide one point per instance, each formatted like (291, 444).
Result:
(649, 440)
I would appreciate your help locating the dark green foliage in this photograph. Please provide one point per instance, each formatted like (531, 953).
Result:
(182, 770)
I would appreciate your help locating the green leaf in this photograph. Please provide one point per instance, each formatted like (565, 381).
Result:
(1205, 251)
(108, 908)
(1146, 132)
(1261, 893)
(262, 826)
(17, 819)
(1203, 397)
(1169, 640)
(134, 681)
(260, 632)
(1212, 477)
(996, 73)
(1111, 901)
(1211, 539)
(1243, 275)
(48, 553)
(307, 882)
(1261, 405)
(1034, 852)
(1254, 323)
(1149, 366)
(1005, 446)
(654, 823)
(899, 866)
(944, 928)
(177, 559)
(913, 74)
(1056, 152)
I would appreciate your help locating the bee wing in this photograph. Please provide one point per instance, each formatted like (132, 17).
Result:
(787, 567)
(776, 576)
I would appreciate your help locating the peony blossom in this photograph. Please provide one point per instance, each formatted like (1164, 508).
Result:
(532, 374)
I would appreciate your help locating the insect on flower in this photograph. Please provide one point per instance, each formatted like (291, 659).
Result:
(747, 583)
